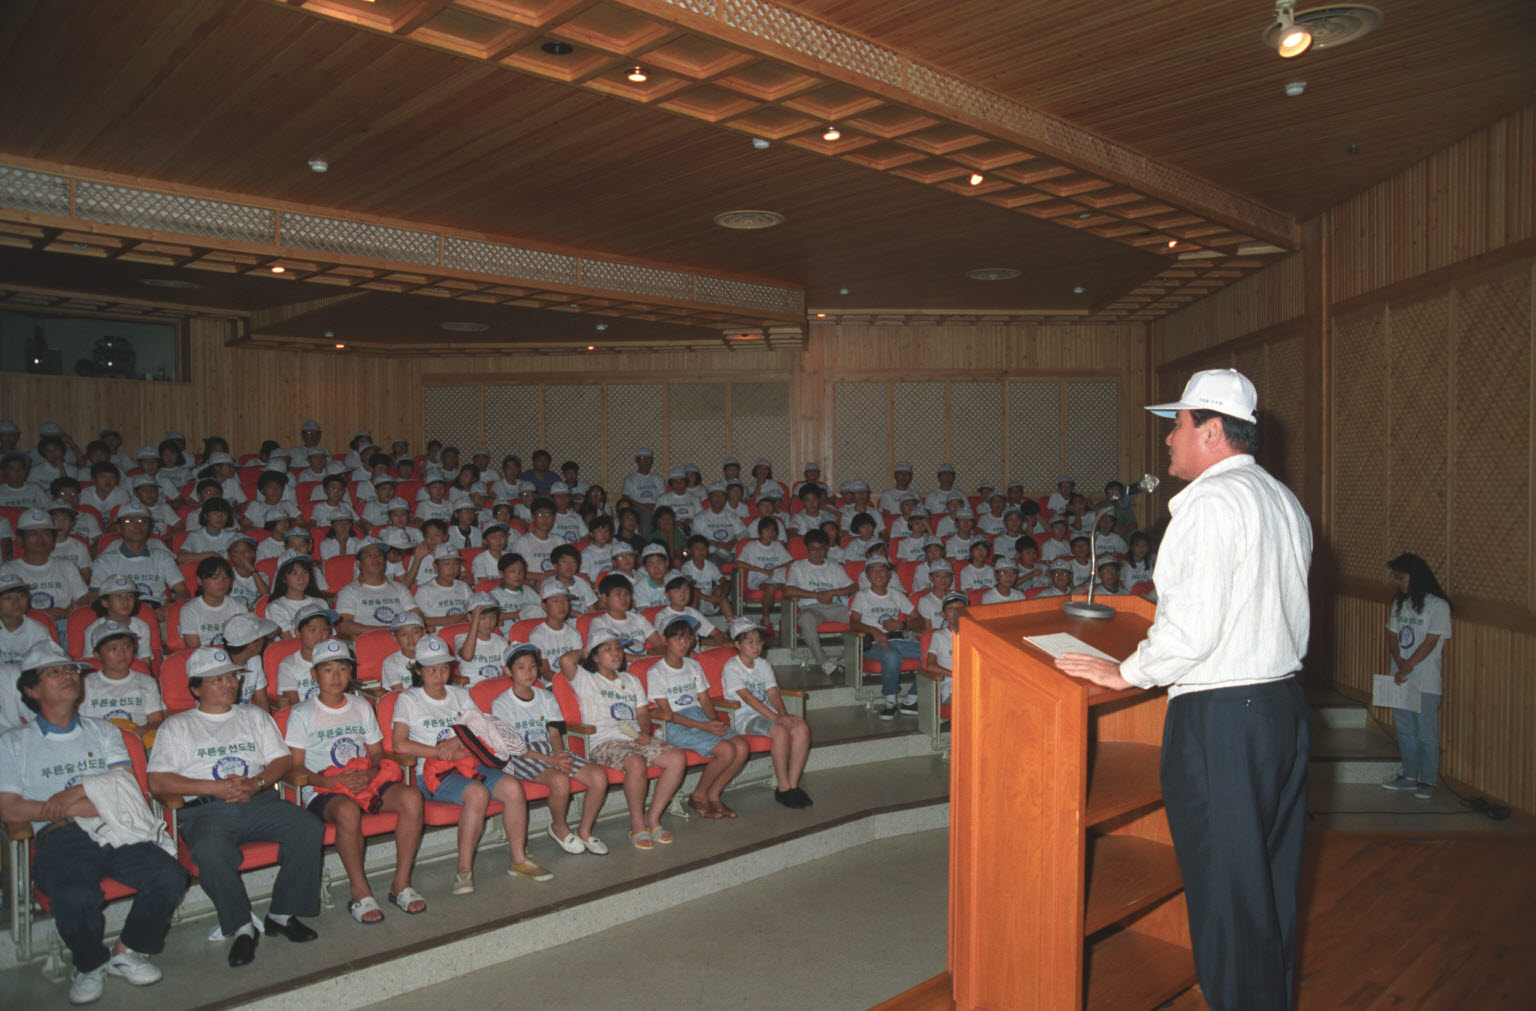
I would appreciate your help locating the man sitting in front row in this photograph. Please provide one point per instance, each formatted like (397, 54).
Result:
(224, 759)
(42, 765)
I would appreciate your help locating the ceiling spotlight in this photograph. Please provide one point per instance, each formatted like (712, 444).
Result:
(1078, 289)
(591, 347)
(637, 74)
(842, 291)
(318, 164)
(977, 178)
(330, 333)
(558, 48)
(1084, 215)
(278, 270)
(761, 143)
(832, 133)
(600, 326)
(340, 347)
(1295, 88)
(1293, 39)
(821, 315)
(1172, 243)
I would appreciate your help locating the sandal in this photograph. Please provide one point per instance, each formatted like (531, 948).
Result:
(362, 907)
(722, 810)
(704, 810)
(661, 835)
(463, 882)
(406, 898)
(642, 840)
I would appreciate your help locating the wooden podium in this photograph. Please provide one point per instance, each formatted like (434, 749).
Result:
(1064, 889)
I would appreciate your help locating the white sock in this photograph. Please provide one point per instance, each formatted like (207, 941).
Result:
(281, 919)
(249, 930)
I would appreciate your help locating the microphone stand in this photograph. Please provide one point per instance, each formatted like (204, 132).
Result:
(1088, 609)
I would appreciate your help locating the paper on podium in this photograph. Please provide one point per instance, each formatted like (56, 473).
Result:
(1057, 643)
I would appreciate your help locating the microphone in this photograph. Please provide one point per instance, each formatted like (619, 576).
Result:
(1089, 609)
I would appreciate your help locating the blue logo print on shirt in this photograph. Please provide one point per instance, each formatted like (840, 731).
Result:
(230, 766)
(346, 749)
(622, 711)
(1406, 638)
(384, 614)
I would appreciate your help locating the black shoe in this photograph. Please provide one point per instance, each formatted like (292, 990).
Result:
(787, 798)
(805, 798)
(295, 931)
(888, 711)
(243, 951)
(909, 708)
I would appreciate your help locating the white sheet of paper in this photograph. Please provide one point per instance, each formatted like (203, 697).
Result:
(1057, 643)
(1388, 693)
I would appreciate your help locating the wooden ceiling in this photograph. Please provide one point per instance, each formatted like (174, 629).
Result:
(449, 114)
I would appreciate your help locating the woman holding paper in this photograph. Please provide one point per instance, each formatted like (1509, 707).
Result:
(1417, 627)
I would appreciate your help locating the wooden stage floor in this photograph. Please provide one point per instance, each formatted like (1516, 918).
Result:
(1399, 921)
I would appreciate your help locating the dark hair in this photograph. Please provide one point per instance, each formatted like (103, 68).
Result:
(614, 581)
(49, 440)
(378, 460)
(473, 471)
(811, 487)
(1138, 536)
(538, 453)
(205, 483)
(767, 521)
(661, 511)
(215, 505)
(815, 537)
(1421, 581)
(434, 444)
(280, 580)
(60, 483)
(106, 467)
(271, 477)
(340, 479)
(1025, 542)
(600, 522)
(569, 465)
(981, 542)
(29, 679)
(541, 502)
(629, 511)
(564, 551)
(1029, 507)
(1080, 537)
(586, 663)
(509, 558)
(210, 567)
(435, 523)
(1241, 435)
(678, 626)
(696, 539)
(677, 582)
(860, 520)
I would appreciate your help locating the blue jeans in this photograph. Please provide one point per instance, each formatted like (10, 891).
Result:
(889, 658)
(69, 868)
(1418, 739)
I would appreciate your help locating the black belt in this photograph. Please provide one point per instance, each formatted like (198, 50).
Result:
(52, 826)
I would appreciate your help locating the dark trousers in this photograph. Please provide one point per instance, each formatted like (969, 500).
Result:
(214, 832)
(1234, 773)
(68, 869)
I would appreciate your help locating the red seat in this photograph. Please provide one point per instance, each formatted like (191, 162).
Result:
(584, 622)
(273, 655)
(189, 575)
(487, 585)
(467, 556)
(339, 570)
(570, 711)
(49, 625)
(373, 647)
(520, 630)
(268, 567)
(485, 692)
(173, 683)
(173, 640)
(974, 596)
(1143, 588)
(906, 572)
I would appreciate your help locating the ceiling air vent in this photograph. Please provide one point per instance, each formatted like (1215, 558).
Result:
(747, 220)
(1331, 26)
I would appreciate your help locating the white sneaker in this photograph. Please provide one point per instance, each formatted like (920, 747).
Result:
(86, 987)
(830, 667)
(136, 968)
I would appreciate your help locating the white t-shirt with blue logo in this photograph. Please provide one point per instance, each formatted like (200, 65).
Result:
(55, 583)
(632, 630)
(430, 721)
(758, 680)
(376, 605)
(680, 686)
(530, 718)
(134, 697)
(210, 746)
(610, 707)
(487, 659)
(1412, 627)
(330, 738)
(35, 766)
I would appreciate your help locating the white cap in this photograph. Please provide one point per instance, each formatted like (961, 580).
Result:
(10, 581)
(740, 626)
(385, 478)
(812, 465)
(552, 587)
(903, 466)
(8, 427)
(172, 434)
(622, 548)
(1005, 563)
(432, 649)
(676, 474)
(691, 468)
(394, 537)
(47, 653)
(717, 486)
(210, 661)
(1225, 391)
(599, 636)
(215, 459)
(483, 599)
(946, 468)
(141, 481)
(310, 426)
(370, 542)
(1062, 564)
(34, 519)
(964, 513)
(50, 428)
(443, 552)
(330, 649)
(645, 451)
(397, 503)
(118, 583)
(410, 619)
(942, 565)
(480, 451)
(762, 462)
(309, 611)
(244, 629)
(653, 549)
(526, 488)
(110, 630)
(559, 488)
(854, 486)
(729, 461)
(147, 453)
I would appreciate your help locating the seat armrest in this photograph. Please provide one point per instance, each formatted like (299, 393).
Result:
(794, 693)
(585, 729)
(727, 703)
(295, 779)
(170, 801)
(18, 831)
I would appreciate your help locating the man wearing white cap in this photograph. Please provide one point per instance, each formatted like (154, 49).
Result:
(678, 498)
(937, 501)
(1230, 632)
(55, 583)
(309, 438)
(890, 499)
(224, 759)
(49, 772)
(643, 488)
(151, 567)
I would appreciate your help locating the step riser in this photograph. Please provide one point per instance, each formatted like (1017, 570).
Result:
(1340, 717)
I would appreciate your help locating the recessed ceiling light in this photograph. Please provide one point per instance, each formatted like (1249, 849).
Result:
(761, 143)
(600, 326)
(455, 326)
(821, 315)
(556, 48)
(1295, 88)
(277, 269)
(977, 178)
(340, 347)
(318, 164)
(1084, 215)
(637, 74)
(591, 347)
(842, 291)
(832, 133)
(748, 220)
(1172, 243)
(992, 274)
(168, 282)
(330, 333)
(1078, 289)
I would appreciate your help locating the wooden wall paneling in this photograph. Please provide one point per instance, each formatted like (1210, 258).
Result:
(636, 418)
(1034, 413)
(862, 425)
(1419, 461)
(1262, 299)
(977, 430)
(697, 425)
(1361, 479)
(918, 415)
(760, 421)
(1491, 431)
(1283, 406)
(514, 421)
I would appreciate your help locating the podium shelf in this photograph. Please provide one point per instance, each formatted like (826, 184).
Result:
(1128, 971)
(1126, 874)
(1122, 776)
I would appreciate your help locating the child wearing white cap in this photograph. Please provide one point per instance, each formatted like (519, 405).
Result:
(678, 498)
(445, 599)
(557, 638)
(1057, 503)
(1007, 575)
(117, 691)
(720, 526)
(540, 541)
(749, 678)
(295, 674)
(643, 487)
(517, 599)
(118, 603)
(481, 648)
(937, 500)
(55, 585)
(246, 638)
